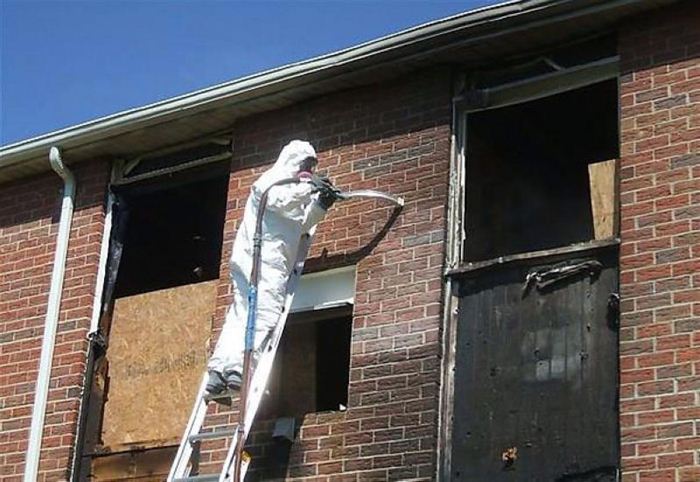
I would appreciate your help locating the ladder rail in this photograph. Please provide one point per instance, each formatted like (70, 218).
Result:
(184, 451)
(266, 359)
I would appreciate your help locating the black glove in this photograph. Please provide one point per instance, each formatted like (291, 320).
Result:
(327, 192)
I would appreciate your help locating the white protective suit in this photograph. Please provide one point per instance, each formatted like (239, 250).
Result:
(292, 210)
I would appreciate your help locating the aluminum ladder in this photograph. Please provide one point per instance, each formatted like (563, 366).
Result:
(186, 462)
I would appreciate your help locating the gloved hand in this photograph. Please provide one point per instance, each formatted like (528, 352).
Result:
(327, 192)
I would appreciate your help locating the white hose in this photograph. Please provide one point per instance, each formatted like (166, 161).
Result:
(370, 193)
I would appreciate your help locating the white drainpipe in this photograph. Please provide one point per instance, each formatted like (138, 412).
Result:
(41, 392)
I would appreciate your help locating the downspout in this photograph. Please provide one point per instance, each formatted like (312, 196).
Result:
(41, 391)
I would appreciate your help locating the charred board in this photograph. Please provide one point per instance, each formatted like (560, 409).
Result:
(536, 372)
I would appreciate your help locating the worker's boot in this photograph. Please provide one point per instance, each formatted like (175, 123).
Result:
(221, 388)
(216, 383)
(233, 379)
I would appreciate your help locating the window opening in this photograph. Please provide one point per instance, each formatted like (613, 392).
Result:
(531, 169)
(173, 235)
(312, 366)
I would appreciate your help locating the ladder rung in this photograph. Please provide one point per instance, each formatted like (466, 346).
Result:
(211, 435)
(198, 478)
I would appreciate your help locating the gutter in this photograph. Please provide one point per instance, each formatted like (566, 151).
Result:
(158, 112)
(41, 391)
(422, 41)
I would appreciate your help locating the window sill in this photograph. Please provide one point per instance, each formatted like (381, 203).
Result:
(470, 268)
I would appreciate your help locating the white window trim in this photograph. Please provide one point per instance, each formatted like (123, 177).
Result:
(326, 289)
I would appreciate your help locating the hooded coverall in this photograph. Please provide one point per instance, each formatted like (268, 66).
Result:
(292, 210)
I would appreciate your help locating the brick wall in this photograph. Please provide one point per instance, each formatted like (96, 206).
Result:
(29, 214)
(660, 257)
(393, 138)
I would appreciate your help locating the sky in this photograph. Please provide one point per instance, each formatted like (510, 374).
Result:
(66, 62)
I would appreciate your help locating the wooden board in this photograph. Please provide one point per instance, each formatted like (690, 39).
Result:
(536, 373)
(142, 466)
(158, 348)
(601, 176)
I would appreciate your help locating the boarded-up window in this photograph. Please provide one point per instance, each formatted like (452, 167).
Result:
(164, 265)
(157, 354)
(536, 376)
(535, 347)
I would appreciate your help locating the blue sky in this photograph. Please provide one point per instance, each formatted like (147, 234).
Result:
(66, 62)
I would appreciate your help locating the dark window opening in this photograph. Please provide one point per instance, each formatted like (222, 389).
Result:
(312, 366)
(528, 171)
(173, 234)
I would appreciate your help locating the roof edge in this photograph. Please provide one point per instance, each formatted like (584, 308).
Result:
(180, 106)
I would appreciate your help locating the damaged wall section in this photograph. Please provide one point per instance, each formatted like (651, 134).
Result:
(540, 193)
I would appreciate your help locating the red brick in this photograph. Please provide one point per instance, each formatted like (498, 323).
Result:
(30, 255)
(670, 327)
(655, 388)
(656, 359)
(675, 430)
(656, 447)
(690, 443)
(658, 476)
(676, 460)
(689, 474)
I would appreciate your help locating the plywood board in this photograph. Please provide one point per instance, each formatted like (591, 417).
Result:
(157, 355)
(601, 176)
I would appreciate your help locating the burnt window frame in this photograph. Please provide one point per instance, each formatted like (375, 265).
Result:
(125, 174)
(468, 100)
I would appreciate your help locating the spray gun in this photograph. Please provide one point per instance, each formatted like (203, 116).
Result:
(321, 183)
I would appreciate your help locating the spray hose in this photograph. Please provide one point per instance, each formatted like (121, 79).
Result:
(257, 241)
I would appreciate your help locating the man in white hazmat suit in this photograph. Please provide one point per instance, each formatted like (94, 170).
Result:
(291, 211)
